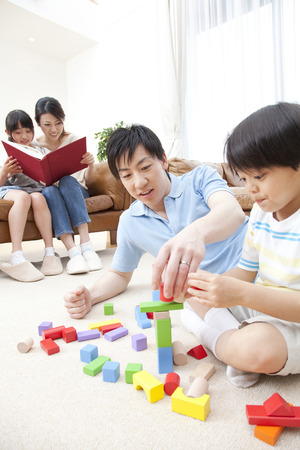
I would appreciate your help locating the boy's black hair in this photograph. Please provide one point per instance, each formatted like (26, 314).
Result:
(15, 119)
(124, 141)
(267, 138)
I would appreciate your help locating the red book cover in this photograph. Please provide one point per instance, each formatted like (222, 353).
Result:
(47, 169)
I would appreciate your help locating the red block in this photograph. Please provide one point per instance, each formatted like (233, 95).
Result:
(69, 334)
(277, 406)
(162, 298)
(197, 352)
(171, 382)
(53, 333)
(257, 415)
(150, 315)
(49, 346)
(106, 328)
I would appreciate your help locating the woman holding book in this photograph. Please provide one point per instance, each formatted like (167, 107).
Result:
(25, 193)
(65, 199)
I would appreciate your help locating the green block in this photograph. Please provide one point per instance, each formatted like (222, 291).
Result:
(95, 367)
(159, 306)
(108, 309)
(130, 370)
(163, 333)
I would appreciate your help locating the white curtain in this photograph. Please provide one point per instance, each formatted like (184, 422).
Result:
(171, 72)
(241, 55)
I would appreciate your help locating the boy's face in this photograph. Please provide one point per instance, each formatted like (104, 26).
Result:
(275, 189)
(22, 135)
(145, 178)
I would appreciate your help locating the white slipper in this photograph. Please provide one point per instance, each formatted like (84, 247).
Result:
(51, 265)
(76, 265)
(24, 271)
(92, 259)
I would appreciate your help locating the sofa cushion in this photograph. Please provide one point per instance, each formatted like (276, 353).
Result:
(98, 203)
(179, 166)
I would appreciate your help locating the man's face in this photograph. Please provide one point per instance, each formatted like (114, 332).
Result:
(145, 178)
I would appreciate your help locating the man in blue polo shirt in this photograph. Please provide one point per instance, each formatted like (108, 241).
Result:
(186, 222)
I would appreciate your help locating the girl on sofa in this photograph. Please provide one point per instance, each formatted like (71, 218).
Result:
(66, 198)
(25, 193)
(262, 292)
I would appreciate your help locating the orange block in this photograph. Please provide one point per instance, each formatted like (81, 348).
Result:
(269, 435)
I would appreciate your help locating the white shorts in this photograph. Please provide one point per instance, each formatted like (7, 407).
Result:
(289, 330)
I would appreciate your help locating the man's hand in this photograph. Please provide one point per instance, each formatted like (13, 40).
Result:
(78, 302)
(177, 257)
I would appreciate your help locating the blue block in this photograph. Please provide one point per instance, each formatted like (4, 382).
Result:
(155, 296)
(88, 353)
(111, 371)
(165, 359)
(141, 318)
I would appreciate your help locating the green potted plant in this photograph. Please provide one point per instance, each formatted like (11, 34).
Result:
(103, 137)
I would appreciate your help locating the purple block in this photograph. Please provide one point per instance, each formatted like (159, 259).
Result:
(89, 334)
(116, 334)
(139, 342)
(44, 326)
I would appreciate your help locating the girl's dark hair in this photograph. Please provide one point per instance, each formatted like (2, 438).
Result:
(269, 137)
(16, 119)
(125, 140)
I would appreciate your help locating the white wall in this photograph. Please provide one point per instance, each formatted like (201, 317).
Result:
(25, 76)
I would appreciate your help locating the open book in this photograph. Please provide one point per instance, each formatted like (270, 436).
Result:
(49, 168)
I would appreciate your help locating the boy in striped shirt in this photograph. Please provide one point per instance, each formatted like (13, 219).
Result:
(262, 292)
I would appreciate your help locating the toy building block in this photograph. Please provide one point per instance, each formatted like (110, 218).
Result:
(49, 346)
(111, 371)
(88, 334)
(139, 342)
(152, 387)
(25, 345)
(205, 370)
(44, 326)
(150, 315)
(155, 295)
(198, 388)
(161, 315)
(53, 333)
(88, 353)
(165, 359)
(69, 334)
(106, 328)
(257, 415)
(172, 382)
(163, 333)
(180, 298)
(108, 309)
(97, 325)
(95, 366)
(161, 295)
(116, 334)
(277, 406)
(269, 435)
(130, 370)
(192, 407)
(197, 352)
(160, 306)
(141, 318)
(179, 353)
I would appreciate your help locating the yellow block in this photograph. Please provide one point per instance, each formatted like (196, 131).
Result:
(192, 407)
(93, 326)
(153, 388)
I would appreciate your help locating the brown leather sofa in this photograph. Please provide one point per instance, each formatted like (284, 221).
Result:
(108, 199)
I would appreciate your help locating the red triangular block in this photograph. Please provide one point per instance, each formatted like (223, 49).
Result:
(277, 406)
(197, 352)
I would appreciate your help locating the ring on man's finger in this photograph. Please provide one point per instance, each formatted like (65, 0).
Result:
(185, 262)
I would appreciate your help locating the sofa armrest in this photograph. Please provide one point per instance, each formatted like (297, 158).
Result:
(103, 182)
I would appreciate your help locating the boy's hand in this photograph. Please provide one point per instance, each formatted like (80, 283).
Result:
(78, 302)
(215, 290)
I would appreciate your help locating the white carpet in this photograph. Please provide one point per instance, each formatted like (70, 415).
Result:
(48, 402)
